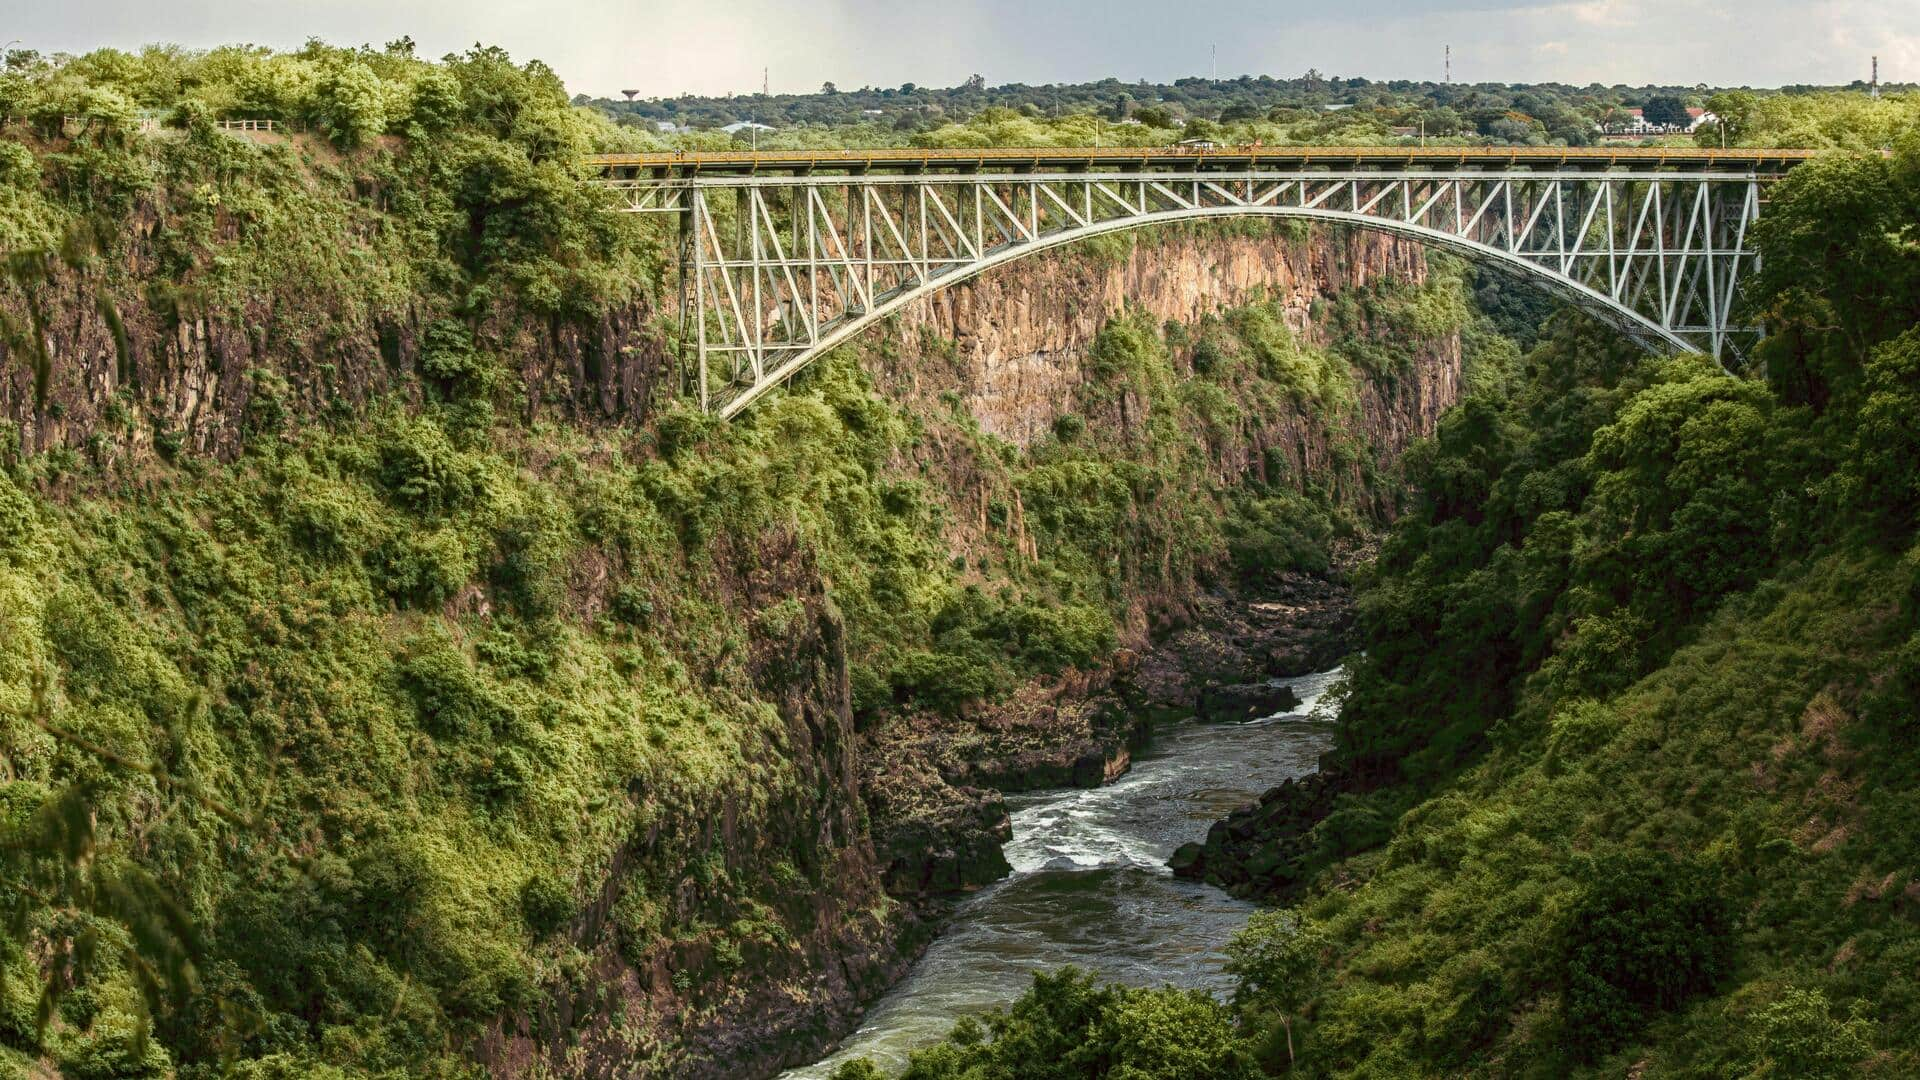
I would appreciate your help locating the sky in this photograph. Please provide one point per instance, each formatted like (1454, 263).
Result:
(670, 47)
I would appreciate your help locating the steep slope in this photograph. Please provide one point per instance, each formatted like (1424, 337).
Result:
(481, 712)
(1624, 783)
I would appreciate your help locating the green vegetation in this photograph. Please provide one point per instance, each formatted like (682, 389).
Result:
(1625, 773)
(1067, 1026)
(1312, 108)
(398, 725)
(381, 731)
(1819, 120)
(368, 741)
(392, 184)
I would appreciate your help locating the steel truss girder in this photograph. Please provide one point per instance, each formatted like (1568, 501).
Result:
(776, 270)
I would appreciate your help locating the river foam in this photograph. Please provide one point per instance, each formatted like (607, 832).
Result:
(1090, 885)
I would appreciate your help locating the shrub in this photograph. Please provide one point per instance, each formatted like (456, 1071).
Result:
(1051, 639)
(547, 905)
(944, 681)
(421, 469)
(1208, 355)
(454, 699)
(19, 983)
(16, 515)
(1797, 1036)
(329, 518)
(1170, 1034)
(528, 567)
(425, 569)
(1067, 1026)
(1648, 932)
(1576, 730)
(448, 357)
(116, 1049)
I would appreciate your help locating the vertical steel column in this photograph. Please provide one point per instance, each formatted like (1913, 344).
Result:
(1660, 246)
(695, 215)
(1713, 291)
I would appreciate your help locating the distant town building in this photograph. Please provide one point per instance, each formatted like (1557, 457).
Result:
(739, 126)
(1633, 123)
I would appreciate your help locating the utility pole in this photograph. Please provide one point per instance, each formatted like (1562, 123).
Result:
(753, 115)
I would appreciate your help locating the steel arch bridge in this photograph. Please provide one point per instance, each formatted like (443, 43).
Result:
(784, 255)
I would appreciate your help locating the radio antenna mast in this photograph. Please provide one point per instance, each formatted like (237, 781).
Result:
(753, 115)
(1873, 88)
(1449, 74)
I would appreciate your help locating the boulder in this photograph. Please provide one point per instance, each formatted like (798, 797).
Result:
(1244, 701)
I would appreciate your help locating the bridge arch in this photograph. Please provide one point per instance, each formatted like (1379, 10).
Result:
(1625, 319)
(776, 270)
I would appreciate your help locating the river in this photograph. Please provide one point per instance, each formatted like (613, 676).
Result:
(1090, 885)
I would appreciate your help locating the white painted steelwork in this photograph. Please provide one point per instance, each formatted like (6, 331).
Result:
(778, 269)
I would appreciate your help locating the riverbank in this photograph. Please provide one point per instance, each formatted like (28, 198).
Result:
(958, 807)
(935, 785)
(1087, 884)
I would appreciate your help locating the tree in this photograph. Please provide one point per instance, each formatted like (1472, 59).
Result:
(1880, 475)
(1648, 933)
(1068, 1027)
(975, 83)
(1666, 111)
(828, 88)
(1734, 111)
(1170, 1035)
(351, 104)
(1838, 274)
(1279, 958)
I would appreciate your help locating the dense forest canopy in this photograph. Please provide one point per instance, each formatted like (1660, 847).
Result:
(1311, 108)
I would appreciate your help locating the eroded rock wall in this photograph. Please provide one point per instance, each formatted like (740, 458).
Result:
(1023, 331)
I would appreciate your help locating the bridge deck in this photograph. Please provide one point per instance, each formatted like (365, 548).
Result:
(1148, 159)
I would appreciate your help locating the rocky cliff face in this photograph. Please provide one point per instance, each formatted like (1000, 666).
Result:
(1022, 332)
(108, 358)
(86, 354)
(690, 1006)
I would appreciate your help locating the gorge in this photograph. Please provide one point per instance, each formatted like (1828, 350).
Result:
(400, 676)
